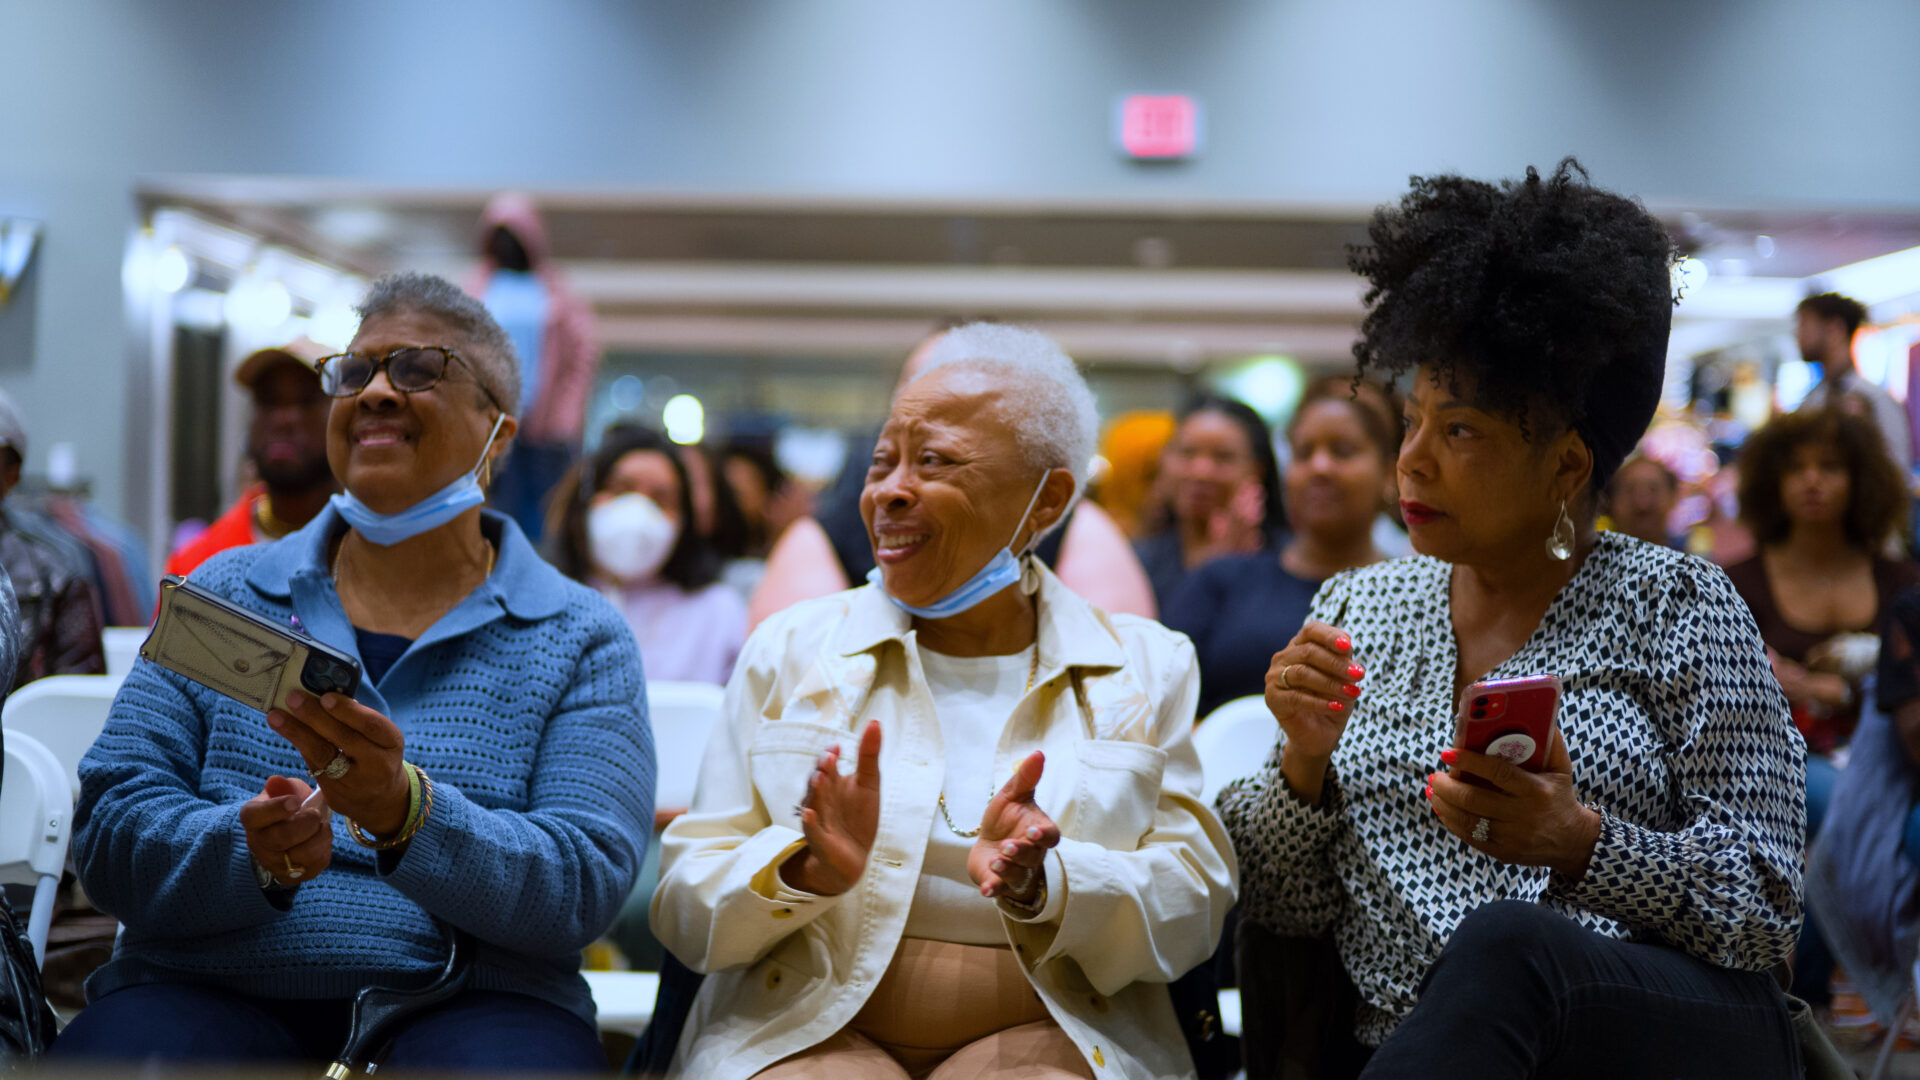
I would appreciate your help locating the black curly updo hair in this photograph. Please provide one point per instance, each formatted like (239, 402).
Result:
(1549, 299)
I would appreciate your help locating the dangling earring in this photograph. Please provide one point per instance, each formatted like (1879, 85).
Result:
(1560, 542)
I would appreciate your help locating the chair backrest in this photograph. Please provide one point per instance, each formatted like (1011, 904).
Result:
(1234, 740)
(64, 713)
(684, 714)
(36, 812)
(123, 648)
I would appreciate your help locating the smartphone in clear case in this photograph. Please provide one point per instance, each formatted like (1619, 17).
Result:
(232, 651)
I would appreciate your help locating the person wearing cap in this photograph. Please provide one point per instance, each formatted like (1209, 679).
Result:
(59, 627)
(287, 446)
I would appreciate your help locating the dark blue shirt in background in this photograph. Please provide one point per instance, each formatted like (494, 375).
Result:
(1239, 610)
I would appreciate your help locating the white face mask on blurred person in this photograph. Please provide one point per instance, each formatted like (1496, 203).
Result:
(630, 537)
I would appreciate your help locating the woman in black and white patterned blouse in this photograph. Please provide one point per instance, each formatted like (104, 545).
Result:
(1617, 913)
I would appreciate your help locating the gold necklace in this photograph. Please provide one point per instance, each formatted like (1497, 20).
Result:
(1032, 670)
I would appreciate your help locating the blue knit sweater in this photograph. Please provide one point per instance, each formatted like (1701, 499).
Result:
(526, 706)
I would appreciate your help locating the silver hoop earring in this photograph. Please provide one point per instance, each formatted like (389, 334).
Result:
(1560, 542)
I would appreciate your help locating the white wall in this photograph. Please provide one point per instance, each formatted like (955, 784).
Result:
(1727, 103)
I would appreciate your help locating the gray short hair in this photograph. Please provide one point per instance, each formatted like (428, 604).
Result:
(487, 346)
(1049, 405)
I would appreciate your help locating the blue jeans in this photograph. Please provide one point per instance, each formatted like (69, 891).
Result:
(1813, 961)
(1523, 991)
(177, 1022)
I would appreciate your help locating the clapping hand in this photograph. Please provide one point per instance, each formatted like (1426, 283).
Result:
(839, 816)
(1238, 526)
(1008, 860)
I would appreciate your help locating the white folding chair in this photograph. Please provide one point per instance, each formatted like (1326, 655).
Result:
(36, 821)
(684, 714)
(623, 1000)
(1233, 741)
(65, 714)
(123, 648)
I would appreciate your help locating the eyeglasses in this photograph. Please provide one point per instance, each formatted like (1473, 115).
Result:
(410, 369)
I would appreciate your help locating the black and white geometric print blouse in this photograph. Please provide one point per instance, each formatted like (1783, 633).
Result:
(1677, 730)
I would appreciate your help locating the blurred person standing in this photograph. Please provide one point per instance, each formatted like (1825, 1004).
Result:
(1222, 484)
(630, 534)
(1640, 499)
(553, 335)
(830, 552)
(1241, 609)
(287, 447)
(1824, 328)
(59, 626)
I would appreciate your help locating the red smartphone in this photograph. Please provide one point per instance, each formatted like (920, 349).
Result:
(1510, 718)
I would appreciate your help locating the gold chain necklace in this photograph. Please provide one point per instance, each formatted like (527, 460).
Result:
(1033, 669)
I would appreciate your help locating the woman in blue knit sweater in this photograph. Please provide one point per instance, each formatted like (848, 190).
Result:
(493, 773)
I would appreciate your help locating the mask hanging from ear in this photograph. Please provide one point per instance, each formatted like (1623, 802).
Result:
(1001, 571)
(424, 516)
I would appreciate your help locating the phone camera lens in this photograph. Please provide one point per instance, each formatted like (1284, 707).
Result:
(1479, 703)
(1479, 714)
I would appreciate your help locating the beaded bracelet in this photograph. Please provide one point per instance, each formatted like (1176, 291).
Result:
(420, 805)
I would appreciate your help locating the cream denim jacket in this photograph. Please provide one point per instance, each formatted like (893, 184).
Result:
(1144, 873)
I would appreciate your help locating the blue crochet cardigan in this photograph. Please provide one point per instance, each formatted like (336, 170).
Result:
(525, 704)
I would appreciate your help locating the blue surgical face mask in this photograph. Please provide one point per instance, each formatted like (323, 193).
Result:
(424, 516)
(1001, 571)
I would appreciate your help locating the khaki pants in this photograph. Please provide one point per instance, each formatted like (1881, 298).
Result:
(948, 1012)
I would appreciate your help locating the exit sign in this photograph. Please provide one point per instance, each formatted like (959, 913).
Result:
(1158, 127)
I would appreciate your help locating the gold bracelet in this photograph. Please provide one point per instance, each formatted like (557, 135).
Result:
(420, 804)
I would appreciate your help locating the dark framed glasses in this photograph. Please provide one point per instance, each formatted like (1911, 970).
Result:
(410, 369)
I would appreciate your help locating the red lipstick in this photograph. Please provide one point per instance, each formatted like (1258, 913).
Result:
(1418, 513)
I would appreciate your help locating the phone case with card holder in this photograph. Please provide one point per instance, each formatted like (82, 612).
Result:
(232, 651)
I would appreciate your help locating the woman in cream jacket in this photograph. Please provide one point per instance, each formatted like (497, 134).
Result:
(951, 824)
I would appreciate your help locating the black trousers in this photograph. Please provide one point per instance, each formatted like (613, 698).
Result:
(1522, 991)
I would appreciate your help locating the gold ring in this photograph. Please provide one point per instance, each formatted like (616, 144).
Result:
(294, 873)
(1286, 683)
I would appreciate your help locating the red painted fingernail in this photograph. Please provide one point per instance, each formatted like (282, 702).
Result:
(1336, 706)
(1343, 643)
(1429, 792)
(1354, 671)
(1350, 690)
(1449, 756)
